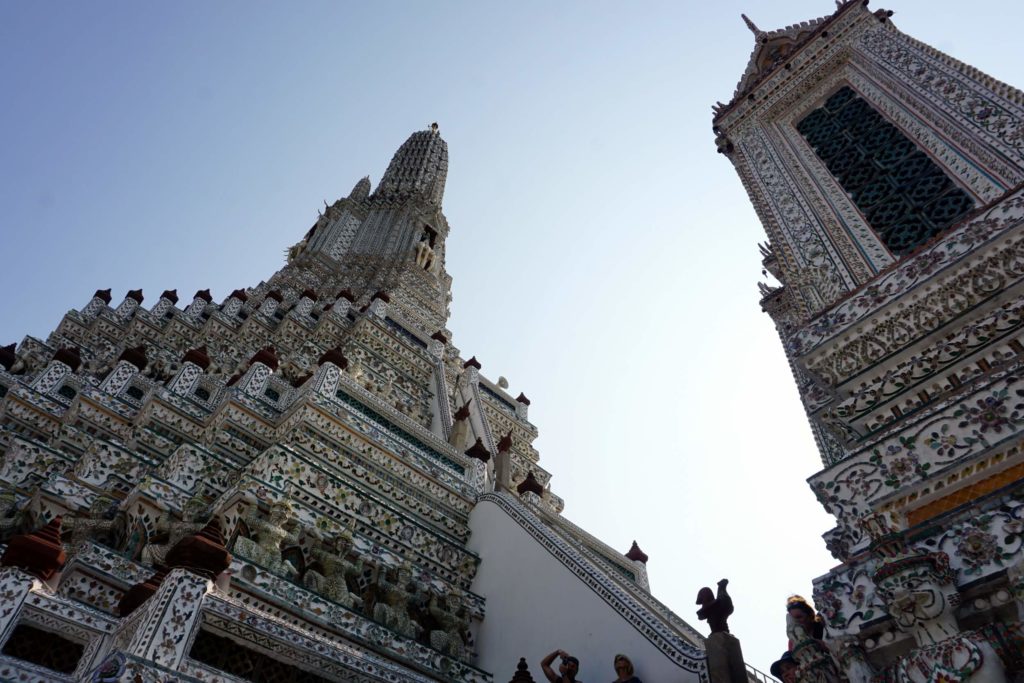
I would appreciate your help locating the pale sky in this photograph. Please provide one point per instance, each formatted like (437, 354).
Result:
(604, 256)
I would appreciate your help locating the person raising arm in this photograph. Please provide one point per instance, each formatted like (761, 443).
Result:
(567, 668)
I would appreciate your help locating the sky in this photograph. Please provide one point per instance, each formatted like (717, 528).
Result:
(604, 255)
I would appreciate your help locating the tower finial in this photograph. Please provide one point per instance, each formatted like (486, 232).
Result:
(752, 26)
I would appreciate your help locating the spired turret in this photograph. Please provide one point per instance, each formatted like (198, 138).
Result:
(889, 183)
(418, 170)
(361, 191)
(302, 447)
(389, 239)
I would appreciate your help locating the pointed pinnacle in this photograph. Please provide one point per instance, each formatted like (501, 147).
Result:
(752, 26)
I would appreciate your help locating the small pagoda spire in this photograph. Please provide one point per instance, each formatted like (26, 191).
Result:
(267, 355)
(636, 554)
(463, 412)
(201, 553)
(199, 356)
(69, 356)
(335, 356)
(505, 445)
(361, 190)
(522, 674)
(479, 451)
(530, 484)
(39, 553)
(8, 357)
(136, 356)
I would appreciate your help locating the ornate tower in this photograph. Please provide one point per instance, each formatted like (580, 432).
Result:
(888, 179)
(390, 240)
(305, 481)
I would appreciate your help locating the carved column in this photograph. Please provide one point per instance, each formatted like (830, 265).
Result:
(163, 628)
(126, 309)
(195, 309)
(167, 301)
(234, 303)
(64, 362)
(305, 305)
(193, 365)
(129, 363)
(99, 301)
(343, 304)
(270, 303)
(261, 366)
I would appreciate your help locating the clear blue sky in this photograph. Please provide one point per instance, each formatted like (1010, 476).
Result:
(604, 256)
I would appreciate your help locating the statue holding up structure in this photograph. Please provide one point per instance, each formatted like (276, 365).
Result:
(271, 532)
(336, 569)
(101, 524)
(169, 531)
(393, 609)
(424, 252)
(919, 592)
(452, 614)
(11, 518)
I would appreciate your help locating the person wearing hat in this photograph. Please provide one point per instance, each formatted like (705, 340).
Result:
(567, 668)
(785, 668)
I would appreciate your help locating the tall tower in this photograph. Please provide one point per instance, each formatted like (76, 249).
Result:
(887, 176)
(303, 482)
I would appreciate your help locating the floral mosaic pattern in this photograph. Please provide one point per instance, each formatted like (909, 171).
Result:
(977, 544)
(993, 416)
(910, 273)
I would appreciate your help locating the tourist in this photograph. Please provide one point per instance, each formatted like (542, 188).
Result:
(567, 668)
(785, 668)
(803, 614)
(624, 670)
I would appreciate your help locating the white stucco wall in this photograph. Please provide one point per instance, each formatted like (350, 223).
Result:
(536, 605)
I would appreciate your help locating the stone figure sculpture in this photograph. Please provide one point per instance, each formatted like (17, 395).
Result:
(715, 610)
(100, 524)
(295, 251)
(11, 518)
(169, 530)
(271, 532)
(424, 253)
(392, 609)
(332, 582)
(918, 592)
(725, 657)
(452, 614)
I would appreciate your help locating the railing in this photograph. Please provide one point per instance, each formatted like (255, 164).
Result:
(758, 676)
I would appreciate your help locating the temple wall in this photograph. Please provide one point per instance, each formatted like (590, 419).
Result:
(536, 604)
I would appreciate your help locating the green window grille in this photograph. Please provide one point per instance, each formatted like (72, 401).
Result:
(234, 658)
(48, 650)
(904, 195)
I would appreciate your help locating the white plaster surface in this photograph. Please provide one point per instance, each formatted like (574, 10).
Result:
(536, 605)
